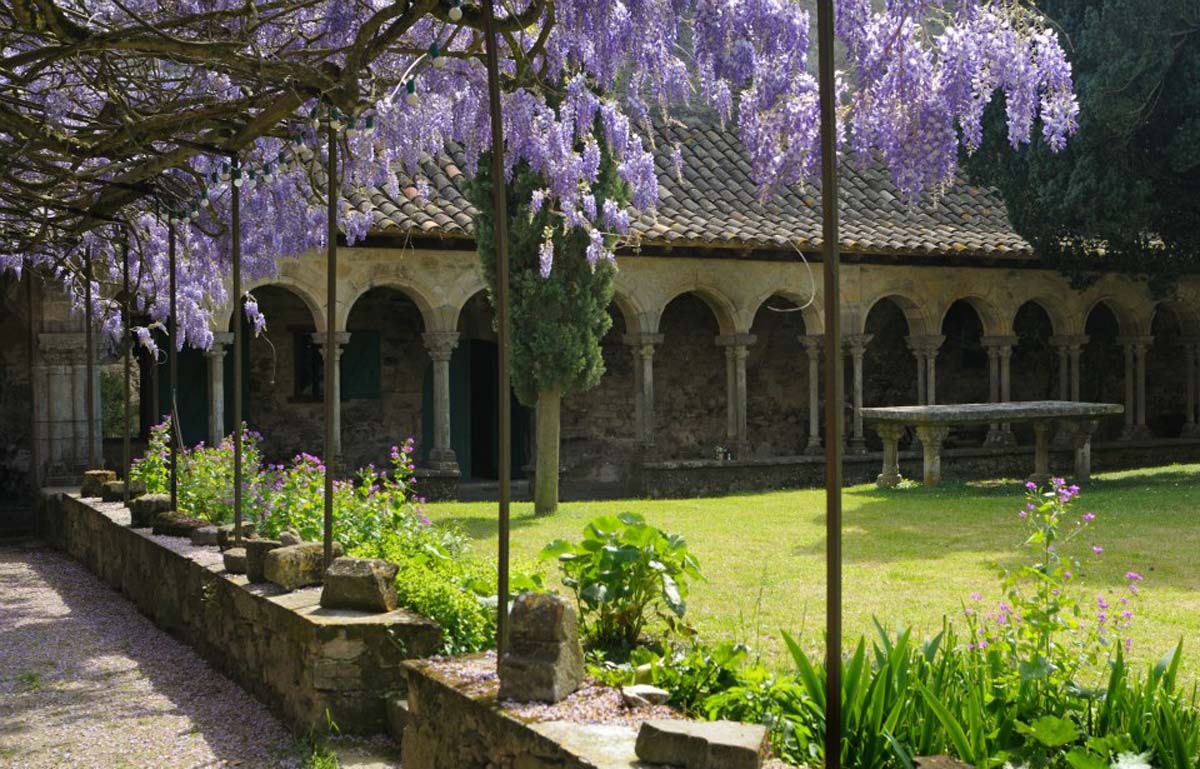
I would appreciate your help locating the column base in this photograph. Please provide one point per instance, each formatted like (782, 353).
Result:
(437, 485)
(1190, 431)
(889, 481)
(444, 461)
(857, 446)
(814, 447)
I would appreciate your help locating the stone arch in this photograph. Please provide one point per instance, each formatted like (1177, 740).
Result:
(989, 316)
(914, 314)
(631, 310)
(777, 377)
(808, 310)
(1187, 316)
(889, 368)
(962, 361)
(1167, 377)
(315, 307)
(1059, 319)
(690, 379)
(721, 306)
(424, 305)
(1034, 359)
(1127, 322)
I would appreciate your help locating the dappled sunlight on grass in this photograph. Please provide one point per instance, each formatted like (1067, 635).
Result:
(912, 555)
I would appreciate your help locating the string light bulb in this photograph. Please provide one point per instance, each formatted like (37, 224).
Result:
(456, 12)
(411, 88)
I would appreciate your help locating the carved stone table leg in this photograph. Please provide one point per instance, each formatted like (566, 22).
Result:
(1081, 440)
(891, 434)
(931, 441)
(1041, 452)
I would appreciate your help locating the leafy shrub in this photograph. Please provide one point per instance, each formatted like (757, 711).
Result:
(621, 570)
(691, 673)
(151, 468)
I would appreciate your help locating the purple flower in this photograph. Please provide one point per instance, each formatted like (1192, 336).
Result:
(1031, 485)
(1133, 576)
(1089, 517)
(976, 596)
(1097, 549)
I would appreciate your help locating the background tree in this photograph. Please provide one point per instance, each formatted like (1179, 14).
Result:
(557, 316)
(1125, 194)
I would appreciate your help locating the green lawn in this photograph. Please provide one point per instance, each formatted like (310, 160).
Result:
(911, 555)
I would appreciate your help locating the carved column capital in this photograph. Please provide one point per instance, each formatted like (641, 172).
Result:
(342, 338)
(1003, 345)
(643, 344)
(857, 343)
(813, 343)
(62, 349)
(1069, 342)
(440, 344)
(927, 344)
(221, 341)
(735, 340)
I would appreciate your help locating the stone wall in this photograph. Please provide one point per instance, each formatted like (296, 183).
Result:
(16, 405)
(371, 426)
(698, 478)
(301, 660)
(689, 382)
(447, 723)
(598, 438)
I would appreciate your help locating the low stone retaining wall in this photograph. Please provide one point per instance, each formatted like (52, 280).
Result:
(449, 723)
(301, 660)
(703, 477)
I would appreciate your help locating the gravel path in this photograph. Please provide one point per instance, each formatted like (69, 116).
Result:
(87, 682)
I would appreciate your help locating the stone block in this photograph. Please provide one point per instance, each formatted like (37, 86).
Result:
(289, 537)
(256, 554)
(235, 560)
(365, 584)
(702, 744)
(225, 534)
(205, 535)
(94, 480)
(114, 491)
(544, 659)
(144, 509)
(644, 695)
(296, 566)
(177, 524)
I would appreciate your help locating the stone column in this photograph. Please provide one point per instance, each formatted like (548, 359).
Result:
(1189, 423)
(334, 389)
(1081, 441)
(1143, 345)
(642, 346)
(1075, 350)
(999, 350)
(1130, 399)
(216, 386)
(812, 350)
(1064, 370)
(440, 345)
(856, 344)
(931, 437)
(737, 349)
(925, 349)
(891, 435)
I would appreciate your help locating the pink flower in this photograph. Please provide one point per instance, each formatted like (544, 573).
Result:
(1133, 576)
(1097, 549)
(1089, 517)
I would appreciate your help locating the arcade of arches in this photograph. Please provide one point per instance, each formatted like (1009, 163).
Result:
(708, 359)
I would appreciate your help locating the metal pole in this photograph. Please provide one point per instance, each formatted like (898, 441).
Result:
(331, 392)
(90, 352)
(173, 370)
(126, 451)
(236, 254)
(499, 201)
(35, 466)
(834, 394)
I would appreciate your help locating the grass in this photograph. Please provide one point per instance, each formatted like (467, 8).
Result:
(912, 555)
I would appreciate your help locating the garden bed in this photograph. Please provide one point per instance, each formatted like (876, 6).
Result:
(308, 664)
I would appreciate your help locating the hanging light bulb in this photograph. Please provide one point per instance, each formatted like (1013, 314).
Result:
(225, 175)
(456, 12)
(435, 53)
(411, 88)
(236, 175)
(369, 123)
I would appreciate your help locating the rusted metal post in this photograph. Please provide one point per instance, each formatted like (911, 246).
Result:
(236, 257)
(834, 394)
(172, 369)
(499, 201)
(126, 449)
(331, 358)
(89, 344)
(35, 462)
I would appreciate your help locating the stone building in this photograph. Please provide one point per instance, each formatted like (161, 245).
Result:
(714, 348)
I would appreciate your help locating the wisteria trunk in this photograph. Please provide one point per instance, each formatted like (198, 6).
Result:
(545, 493)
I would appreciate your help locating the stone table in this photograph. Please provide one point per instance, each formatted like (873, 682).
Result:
(933, 423)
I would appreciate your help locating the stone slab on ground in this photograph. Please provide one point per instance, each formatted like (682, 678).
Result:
(144, 509)
(365, 584)
(702, 744)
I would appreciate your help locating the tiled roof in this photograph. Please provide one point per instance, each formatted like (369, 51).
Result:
(716, 204)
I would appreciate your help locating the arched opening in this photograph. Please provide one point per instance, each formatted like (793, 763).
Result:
(598, 435)
(1166, 375)
(689, 381)
(889, 368)
(962, 366)
(1102, 365)
(283, 376)
(474, 390)
(777, 380)
(16, 487)
(1034, 367)
(383, 367)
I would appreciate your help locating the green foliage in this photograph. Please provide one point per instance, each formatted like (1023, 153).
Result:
(557, 320)
(152, 468)
(691, 673)
(621, 570)
(1130, 179)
